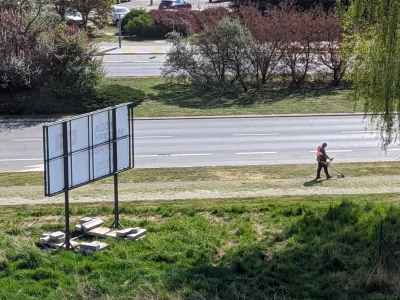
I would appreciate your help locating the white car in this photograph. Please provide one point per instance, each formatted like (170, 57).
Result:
(73, 18)
(118, 13)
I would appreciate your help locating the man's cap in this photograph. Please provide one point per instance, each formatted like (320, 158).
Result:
(324, 144)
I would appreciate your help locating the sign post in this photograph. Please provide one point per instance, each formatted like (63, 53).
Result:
(87, 148)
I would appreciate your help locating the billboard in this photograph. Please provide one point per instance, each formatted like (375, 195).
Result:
(87, 148)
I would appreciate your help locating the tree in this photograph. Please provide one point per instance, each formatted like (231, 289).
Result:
(95, 11)
(373, 47)
(43, 64)
(328, 47)
(224, 60)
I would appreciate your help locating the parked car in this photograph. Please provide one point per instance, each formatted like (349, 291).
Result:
(118, 13)
(73, 18)
(174, 4)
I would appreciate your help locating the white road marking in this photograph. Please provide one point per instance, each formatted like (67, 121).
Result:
(192, 154)
(126, 62)
(26, 140)
(150, 155)
(330, 151)
(153, 137)
(39, 169)
(393, 149)
(245, 153)
(254, 134)
(20, 159)
(35, 166)
(361, 131)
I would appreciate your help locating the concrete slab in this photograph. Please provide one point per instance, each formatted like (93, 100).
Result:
(89, 246)
(102, 232)
(85, 220)
(125, 232)
(59, 245)
(57, 234)
(136, 236)
(92, 224)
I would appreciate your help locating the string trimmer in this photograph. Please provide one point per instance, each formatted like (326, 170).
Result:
(340, 174)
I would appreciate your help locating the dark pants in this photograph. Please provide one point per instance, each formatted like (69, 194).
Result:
(321, 165)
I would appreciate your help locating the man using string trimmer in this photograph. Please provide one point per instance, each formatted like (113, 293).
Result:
(322, 163)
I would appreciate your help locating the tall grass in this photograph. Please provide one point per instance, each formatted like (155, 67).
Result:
(257, 248)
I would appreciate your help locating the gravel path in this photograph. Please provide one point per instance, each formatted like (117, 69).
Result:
(32, 195)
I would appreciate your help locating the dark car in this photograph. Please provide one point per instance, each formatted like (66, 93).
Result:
(174, 4)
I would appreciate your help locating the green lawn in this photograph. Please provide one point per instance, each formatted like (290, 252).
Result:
(165, 99)
(318, 247)
(110, 34)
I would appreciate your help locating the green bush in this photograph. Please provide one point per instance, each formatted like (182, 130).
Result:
(113, 94)
(140, 25)
(134, 13)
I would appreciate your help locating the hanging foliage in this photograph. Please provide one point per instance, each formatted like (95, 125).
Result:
(374, 50)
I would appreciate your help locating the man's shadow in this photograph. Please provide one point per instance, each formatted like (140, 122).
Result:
(313, 182)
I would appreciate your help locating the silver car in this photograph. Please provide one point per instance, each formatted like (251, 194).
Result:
(118, 13)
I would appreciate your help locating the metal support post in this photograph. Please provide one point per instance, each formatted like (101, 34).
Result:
(66, 185)
(115, 168)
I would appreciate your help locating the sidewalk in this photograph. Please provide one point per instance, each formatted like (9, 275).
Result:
(133, 48)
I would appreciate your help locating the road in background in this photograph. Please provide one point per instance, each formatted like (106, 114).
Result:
(133, 65)
(196, 4)
(220, 142)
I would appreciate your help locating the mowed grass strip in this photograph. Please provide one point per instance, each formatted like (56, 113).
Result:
(168, 99)
(228, 173)
(319, 247)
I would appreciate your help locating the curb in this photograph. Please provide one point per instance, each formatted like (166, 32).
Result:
(128, 53)
(257, 116)
(4, 120)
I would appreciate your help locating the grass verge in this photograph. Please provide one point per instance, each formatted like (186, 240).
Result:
(319, 247)
(110, 34)
(229, 173)
(166, 99)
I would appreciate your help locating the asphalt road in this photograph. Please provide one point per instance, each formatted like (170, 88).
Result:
(218, 142)
(150, 65)
(133, 65)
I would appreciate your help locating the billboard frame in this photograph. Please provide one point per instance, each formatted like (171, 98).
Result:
(67, 155)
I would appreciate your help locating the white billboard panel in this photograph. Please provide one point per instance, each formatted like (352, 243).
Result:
(90, 142)
(79, 172)
(102, 160)
(55, 145)
(123, 154)
(78, 134)
(101, 127)
(56, 180)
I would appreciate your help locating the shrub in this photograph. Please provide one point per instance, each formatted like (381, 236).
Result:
(140, 25)
(185, 22)
(45, 67)
(113, 94)
(134, 13)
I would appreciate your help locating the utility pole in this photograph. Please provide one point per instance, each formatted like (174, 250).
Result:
(119, 27)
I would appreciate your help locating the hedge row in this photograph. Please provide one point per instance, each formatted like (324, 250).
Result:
(158, 23)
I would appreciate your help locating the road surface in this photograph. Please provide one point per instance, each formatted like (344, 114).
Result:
(150, 65)
(219, 142)
(133, 65)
